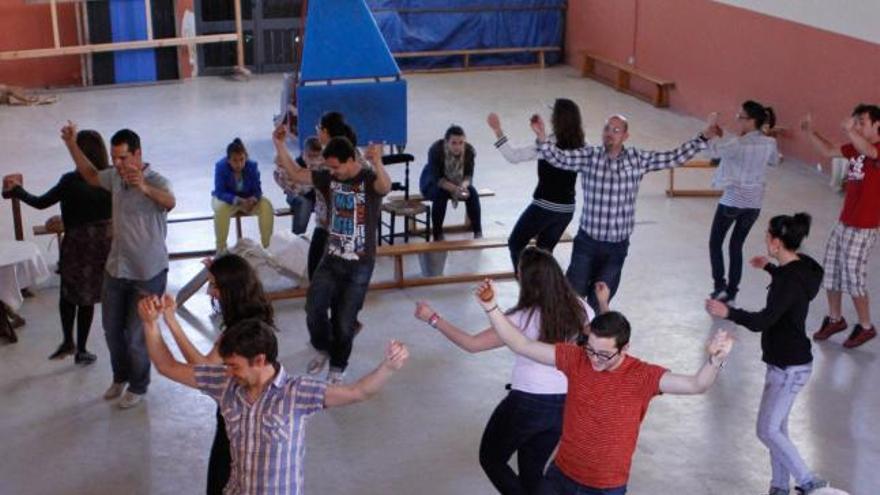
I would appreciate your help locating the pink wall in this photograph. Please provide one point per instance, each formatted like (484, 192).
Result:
(23, 27)
(720, 55)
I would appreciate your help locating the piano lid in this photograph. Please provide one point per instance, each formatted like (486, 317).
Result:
(342, 41)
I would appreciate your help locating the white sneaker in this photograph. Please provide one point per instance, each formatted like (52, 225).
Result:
(129, 400)
(114, 391)
(335, 376)
(317, 363)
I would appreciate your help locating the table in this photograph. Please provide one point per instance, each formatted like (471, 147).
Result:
(21, 266)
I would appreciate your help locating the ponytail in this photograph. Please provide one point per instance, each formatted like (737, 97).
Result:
(760, 114)
(236, 146)
(790, 229)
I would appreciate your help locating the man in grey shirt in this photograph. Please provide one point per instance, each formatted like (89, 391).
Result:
(138, 262)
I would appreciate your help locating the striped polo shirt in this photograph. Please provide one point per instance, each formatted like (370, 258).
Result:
(266, 438)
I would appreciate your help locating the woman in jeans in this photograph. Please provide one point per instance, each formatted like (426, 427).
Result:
(552, 207)
(744, 161)
(529, 420)
(795, 281)
(85, 215)
(234, 284)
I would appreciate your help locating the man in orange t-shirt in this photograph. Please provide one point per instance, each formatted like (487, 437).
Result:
(851, 240)
(608, 396)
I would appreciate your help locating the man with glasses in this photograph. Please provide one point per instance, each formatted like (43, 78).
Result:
(611, 177)
(608, 396)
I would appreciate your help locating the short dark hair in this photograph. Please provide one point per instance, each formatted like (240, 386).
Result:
(339, 148)
(126, 136)
(236, 146)
(312, 143)
(249, 338)
(873, 111)
(611, 325)
(454, 130)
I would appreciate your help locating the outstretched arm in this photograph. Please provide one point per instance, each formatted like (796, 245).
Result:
(83, 165)
(382, 184)
(342, 395)
(511, 154)
(718, 349)
(295, 173)
(483, 341)
(822, 145)
(507, 331)
(148, 309)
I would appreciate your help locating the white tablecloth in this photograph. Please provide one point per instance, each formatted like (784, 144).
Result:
(21, 266)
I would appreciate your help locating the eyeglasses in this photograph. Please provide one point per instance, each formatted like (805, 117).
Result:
(742, 116)
(614, 130)
(599, 356)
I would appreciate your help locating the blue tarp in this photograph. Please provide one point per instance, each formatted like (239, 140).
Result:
(423, 25)
(128, 22)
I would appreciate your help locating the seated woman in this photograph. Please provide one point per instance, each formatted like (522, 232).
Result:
(301, 199)
(85, 214)
(451, 166)
(237, 190)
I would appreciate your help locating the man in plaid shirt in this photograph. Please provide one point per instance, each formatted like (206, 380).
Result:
(611, 175)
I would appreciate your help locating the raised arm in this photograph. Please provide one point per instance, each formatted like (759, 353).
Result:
(162, 197)
(509, 334)
(861, 144)
(83, 165)
(190, 352)
(718, 349)
(342, 395)
(148, 309)
(295, 173)
(48, 199)
(659, 160)
(382, 184)
(483, 341)
(511, 154)
(822, 145)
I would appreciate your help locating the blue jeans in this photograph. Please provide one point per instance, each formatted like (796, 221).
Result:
(541, 224)
(781, 388)
(742, 220)
(593, 261)
(556, 483)
(317, 248)
(528, 424)
(301, 207)
(123, 328)
(339, 288)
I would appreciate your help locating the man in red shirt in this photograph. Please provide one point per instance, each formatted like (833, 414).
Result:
(608, 396)
(848, 248)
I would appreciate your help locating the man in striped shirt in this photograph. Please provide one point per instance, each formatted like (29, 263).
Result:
(611, 174)
(609, 392)
(265, 408)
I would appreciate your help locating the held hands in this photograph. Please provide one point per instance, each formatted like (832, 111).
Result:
(759, 262)
(374, 152)
(424, 311)
(720, 345)
(68, 133)
(169, 306)
(537, 125)
(149, 308)
(279, 134)
(807, 123)
(849, 124)
(396, 355)
(717, 309)
(712, 129)
(485, 295)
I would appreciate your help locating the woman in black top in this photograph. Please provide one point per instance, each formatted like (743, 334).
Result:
(552, 207)
(795, 281)
(85, 213)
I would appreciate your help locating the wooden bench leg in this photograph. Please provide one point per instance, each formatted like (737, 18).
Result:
(238, 226)
(541, 62)
(670, 191)
(662, 99)
(398, 270)
(622, 80)
(16, 219)
(588, 66)
(467, 61)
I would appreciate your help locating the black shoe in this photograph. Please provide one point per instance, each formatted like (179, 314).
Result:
(84, 358)
(63, 351)
(718, 294)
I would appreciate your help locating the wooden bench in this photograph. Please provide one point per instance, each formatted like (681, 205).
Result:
(672, 192)
(468, 53)
(401, 281)
(483, 192)
(622, 82)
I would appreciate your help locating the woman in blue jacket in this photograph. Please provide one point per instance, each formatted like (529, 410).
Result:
(237, 190)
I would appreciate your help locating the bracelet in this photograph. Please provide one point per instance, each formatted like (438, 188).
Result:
(433, 320)
(493, 308)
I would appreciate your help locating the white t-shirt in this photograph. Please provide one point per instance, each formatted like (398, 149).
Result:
(530, 376)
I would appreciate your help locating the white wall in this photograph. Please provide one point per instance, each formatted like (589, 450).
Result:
(857, 18)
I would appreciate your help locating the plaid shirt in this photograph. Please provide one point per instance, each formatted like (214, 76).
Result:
(266, 437)
(611, 185)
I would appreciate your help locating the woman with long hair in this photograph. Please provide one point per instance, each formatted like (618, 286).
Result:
(553, 200)
(234, 285)
(85, 215)
(529, 420)
(741, 175)
(795, 281)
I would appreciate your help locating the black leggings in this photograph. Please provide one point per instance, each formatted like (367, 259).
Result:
(220, 462)
(83, 316)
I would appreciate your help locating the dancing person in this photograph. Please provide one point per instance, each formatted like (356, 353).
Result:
(528, 421)
(795, 281)
(612, 174)
(852, 239)
(264, 408)
(553, 199)
(237, 190)
(138, 261)
(608, 395)
(85, 216)
(741, 175)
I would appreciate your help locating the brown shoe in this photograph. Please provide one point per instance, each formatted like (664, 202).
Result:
(829, 328)
(859, 336)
